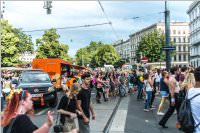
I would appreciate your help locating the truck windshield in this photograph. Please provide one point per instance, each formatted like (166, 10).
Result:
(35, 77)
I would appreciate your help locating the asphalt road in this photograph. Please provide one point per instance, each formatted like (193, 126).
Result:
(139, 121)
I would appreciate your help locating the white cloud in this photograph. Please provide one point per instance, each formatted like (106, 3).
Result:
(30, 15)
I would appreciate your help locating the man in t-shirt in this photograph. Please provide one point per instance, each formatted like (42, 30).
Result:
(174, 104)
(84, 104)
(195, 102)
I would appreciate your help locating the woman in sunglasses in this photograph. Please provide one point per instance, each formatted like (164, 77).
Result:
(16, 115)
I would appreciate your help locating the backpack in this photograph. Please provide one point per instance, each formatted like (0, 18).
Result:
(133, 79)
(185, 117)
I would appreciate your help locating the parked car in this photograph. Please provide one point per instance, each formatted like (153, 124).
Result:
(40, 87)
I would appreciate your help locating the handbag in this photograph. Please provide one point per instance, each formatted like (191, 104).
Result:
(58, 127)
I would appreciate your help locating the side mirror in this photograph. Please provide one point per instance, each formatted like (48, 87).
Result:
(53, 80)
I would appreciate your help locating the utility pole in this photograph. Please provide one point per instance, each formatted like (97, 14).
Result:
(167, 36)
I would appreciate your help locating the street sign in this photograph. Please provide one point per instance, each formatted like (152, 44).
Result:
(144, 60)
(169, 48)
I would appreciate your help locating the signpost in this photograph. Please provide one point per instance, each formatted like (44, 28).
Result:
(169, 48)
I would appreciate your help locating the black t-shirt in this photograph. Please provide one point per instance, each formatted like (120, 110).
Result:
(84, 96)
(22, 124)
(64, 105)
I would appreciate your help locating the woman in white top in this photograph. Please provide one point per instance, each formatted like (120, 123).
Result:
(158, 76)
(148, 83)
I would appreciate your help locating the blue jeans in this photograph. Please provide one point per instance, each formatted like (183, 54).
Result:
(148, 100)
(140, 87)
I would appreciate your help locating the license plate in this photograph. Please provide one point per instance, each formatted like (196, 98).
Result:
(36, 95)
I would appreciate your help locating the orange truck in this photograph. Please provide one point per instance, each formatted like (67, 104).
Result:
(55, 67)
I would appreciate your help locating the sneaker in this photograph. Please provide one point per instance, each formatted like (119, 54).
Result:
(152, 108)
(175, 112)
(146, 110)
(160, 113)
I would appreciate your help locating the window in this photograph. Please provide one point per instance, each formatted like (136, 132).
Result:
(179, 39)
(179, 48)
(175, 58)
(184, 39)
(175, 40)
(184, 57)
(174, 31)
(183, 32)
(184, 48)
(179, 32)
(179, 57)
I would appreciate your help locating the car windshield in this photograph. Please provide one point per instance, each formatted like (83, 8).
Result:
(35, 77)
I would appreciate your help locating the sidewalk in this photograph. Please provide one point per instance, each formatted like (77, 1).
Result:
(103, 112)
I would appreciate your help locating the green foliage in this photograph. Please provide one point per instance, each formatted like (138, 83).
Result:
(105, 55)
(49, 45)
(86, 54)
(25, 43)
(13, 42)
(97, 54)
(150, 46)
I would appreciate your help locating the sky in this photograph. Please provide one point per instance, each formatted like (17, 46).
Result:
(30, 15)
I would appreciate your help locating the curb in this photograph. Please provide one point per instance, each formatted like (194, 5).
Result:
(110, 120)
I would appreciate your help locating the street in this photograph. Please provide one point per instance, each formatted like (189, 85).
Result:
(129, 116)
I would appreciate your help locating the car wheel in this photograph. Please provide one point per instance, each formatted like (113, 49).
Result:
(53, 103)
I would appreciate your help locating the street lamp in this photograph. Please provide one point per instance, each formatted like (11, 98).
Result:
(48, 6)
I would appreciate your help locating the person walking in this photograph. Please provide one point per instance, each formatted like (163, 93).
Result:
(174, 103)
(16, 114)
(164, 91)
(84, 104)
(148, 83)
(67, 109)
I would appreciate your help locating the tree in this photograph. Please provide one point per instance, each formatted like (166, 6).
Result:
(150, 46)
(105, 55)
(49, 45)
(25, 43)
(85, 54)
(13, 43)
(9, 51)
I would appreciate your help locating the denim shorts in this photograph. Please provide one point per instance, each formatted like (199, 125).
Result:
(164, 93)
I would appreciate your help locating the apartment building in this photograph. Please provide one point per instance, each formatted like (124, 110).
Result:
(179, 34)
(124, 49)
(194, 26)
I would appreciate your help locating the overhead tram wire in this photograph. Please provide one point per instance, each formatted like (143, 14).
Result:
(71, 27)
(114, 31)
(137, 17)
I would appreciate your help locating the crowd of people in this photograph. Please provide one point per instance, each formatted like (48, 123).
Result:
(174, 86)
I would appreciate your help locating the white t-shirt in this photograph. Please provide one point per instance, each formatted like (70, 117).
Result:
(148, 86)
(195, 106)
(158, 77)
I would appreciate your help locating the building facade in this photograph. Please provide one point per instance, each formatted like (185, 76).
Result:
(27, 57)
(179, 34)
(194, 15)
(124, 49)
